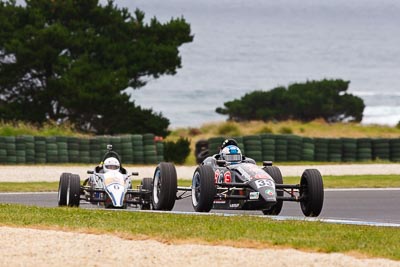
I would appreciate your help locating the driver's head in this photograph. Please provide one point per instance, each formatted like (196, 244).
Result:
(111, 164)
(231, 154)
(228, 142)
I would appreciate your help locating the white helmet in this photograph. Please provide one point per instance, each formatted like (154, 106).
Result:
(111, 164)
(231, 154)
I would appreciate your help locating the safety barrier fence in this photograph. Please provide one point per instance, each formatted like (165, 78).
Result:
(133, 149)
(285, 147)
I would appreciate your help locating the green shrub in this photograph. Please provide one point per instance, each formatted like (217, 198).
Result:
(177, 151)
(285, 130)
(229, 129)
(265, 129)
(327, 99)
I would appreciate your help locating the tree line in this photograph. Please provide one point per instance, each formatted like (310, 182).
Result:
(327, 99)
(72, 61)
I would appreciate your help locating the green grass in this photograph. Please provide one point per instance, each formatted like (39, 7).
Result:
(47, 129)
(347, 181)
(243, 231)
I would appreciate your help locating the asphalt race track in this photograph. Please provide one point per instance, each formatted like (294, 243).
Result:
(365, 205)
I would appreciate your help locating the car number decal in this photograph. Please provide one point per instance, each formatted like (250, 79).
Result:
(263, 183)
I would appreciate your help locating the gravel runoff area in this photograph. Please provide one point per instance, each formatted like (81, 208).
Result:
(34, 173)
(33, 247)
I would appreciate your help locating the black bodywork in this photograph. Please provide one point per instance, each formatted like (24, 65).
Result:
(246, 186)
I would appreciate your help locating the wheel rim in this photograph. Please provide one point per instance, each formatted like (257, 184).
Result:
(195, 189)
(304, 193)
(68, 189)
(156, 186)
(59, 192)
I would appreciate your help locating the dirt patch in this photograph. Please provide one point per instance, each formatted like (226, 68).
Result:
(32, 247)
(50, 173)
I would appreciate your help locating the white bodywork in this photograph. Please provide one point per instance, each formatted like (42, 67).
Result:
(114, 183)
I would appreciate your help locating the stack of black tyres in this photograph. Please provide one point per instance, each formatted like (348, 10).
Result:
(335, 150)
(160, 151)
(3, 150)
(84, 150)
(380, 149)
(349, 149)
(62, 149)
(214, 144)
(127, 149)
(321, 149)
(29, 148)
(395, 149)
(115, 141)
(364, 149)
(73, 149)
(268, 147)
(308, 148)
(95, 152)
(150, 152)
(11, 149)
(295, 147)
(40, 150)
(137, 148)
(281, 147)
(240, 143)
(51, 149)
(103, 141)
(20, 150)
(253, 148)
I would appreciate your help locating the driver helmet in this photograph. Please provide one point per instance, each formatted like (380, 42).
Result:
(231, 154)
(111, 164)
(228, 142)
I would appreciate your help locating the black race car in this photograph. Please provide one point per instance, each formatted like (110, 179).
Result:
(217, 184)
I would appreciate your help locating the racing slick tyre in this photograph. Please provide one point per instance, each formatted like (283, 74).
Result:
(312, 192)
(203, 188)
(164, 187)
(146, 185)
(74, 188)
(63, 188)
(276, 174)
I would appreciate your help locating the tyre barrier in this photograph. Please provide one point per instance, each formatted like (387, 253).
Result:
(133, 149)
(394, 145)
(252, 147)
(288, 147)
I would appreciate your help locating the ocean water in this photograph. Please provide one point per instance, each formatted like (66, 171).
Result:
(240, 46)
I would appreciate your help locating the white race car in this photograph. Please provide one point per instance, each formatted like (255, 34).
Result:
(113, 188)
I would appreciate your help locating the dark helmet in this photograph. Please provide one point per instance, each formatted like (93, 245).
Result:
(229, 142)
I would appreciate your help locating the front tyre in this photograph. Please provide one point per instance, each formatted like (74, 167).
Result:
(164, 186)
(146, 185)
(312, 193)
(203, 188)
(276, 174)
(63, 188)
(73, 192)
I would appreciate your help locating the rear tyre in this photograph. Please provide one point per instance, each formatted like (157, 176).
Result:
(74, 188)
(164, 186)
(146, 185)
(203, 188)
(63, 189)
(312, 193)
(276, 174)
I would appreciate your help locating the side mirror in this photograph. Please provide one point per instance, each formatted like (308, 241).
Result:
(90, 172)
(135, 173)
(221, 163)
